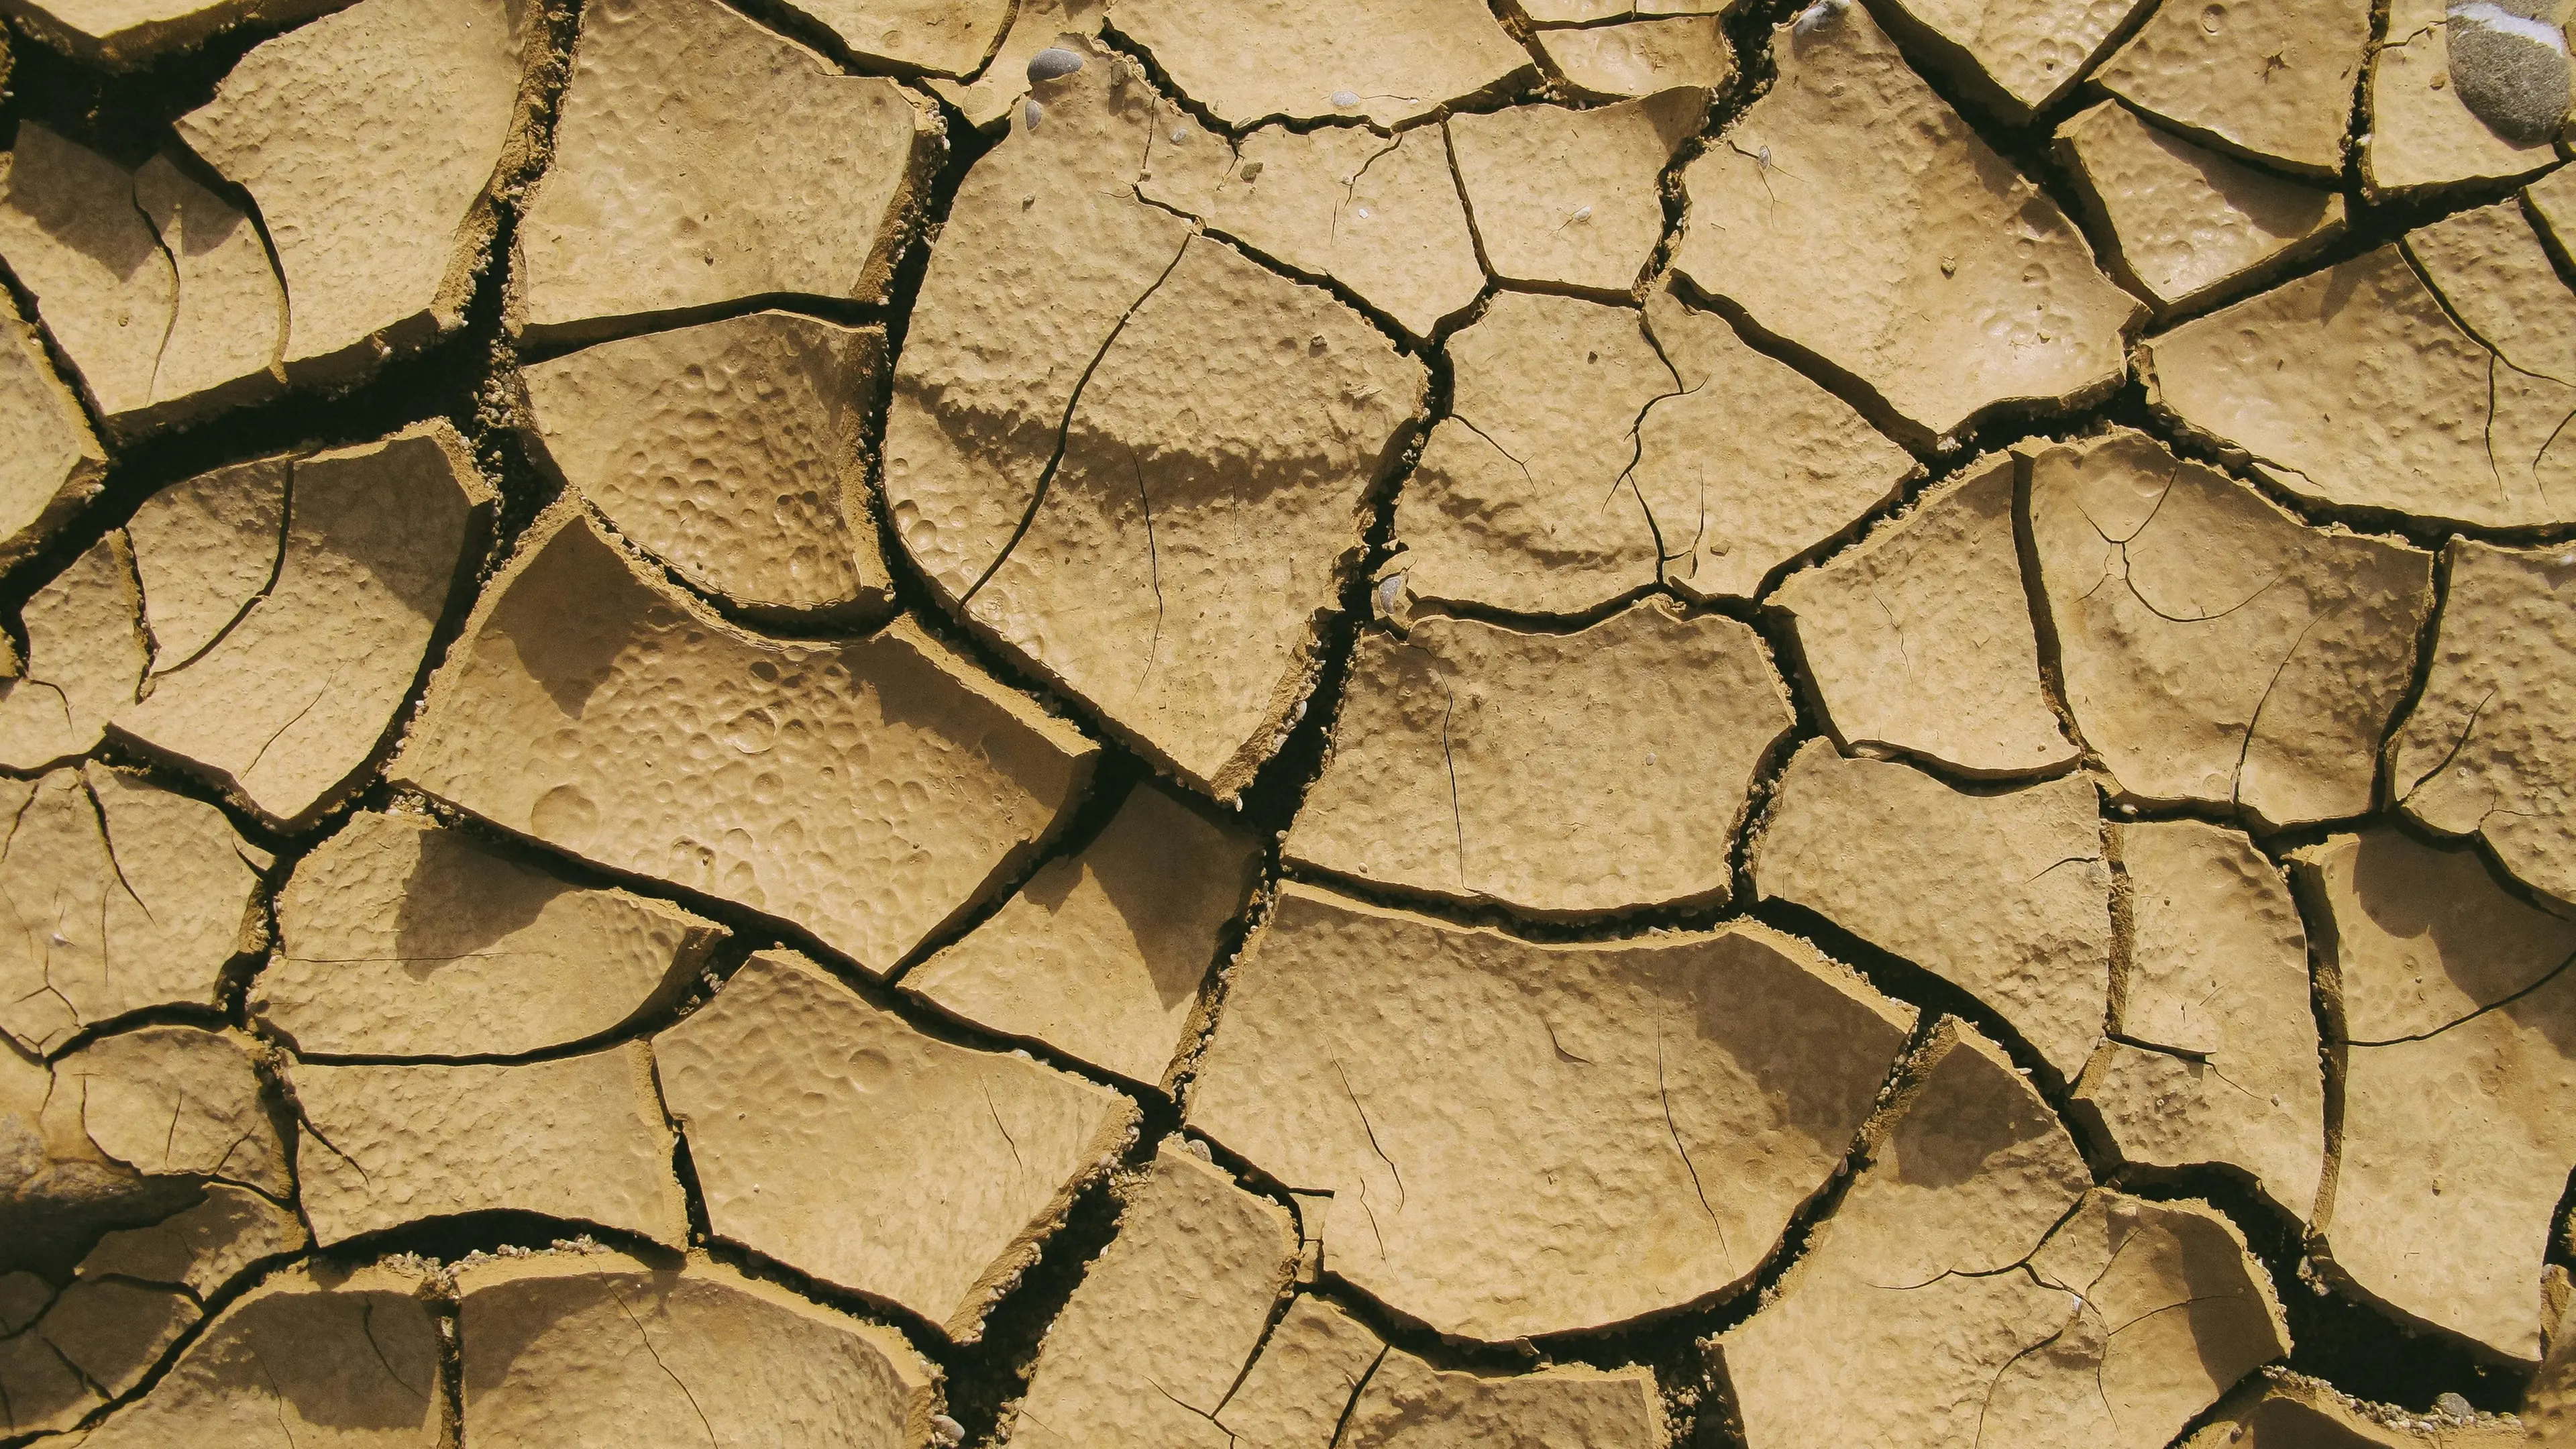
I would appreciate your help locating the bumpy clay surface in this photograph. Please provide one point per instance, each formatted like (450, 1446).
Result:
(1407, 1402)
(822, 755)
(2423, 132)
(294, 694)
(1641, 58)
(1721, 1078)
(2192, 224)
(398, 938)
(2215, 649)
(730, 450)
(2213, 1050)
(1566, 198)
(1166, 1318)
(2270, 82)
(2028, 926)
(85, 657)
(1309, 1373)
(2484, 752)
(1297, 724)
(1101, 954)
(593, 1348)
(50, 462)
(2446, 1192)
(325, 1357)
(1584, 773)
(1732, 505)
(2016, 55)
(1852, 214)
(2065, 1316)
(160, 291)
(1036, 25)
(1379, 214)
(671, 189)
(369, 140)
(807, 1109)
(1919, 640)
(120, 895)
(579, 1138)
(1386, 60)
(2354, 386)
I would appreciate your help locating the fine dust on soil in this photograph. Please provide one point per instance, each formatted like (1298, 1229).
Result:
(1305, 724)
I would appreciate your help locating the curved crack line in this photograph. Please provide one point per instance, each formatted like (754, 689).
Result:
(276, 571)
(1664, 1093)
(2501, 1002)
(1392, 1170)
(1350, 185)
(2467, 731)
(646, 1339)
(1457, 815)
(2236, 784)
(996, 1113)
(1064, 428)
(1153, 566)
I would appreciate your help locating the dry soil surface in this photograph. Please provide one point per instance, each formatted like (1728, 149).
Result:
(1287, 724)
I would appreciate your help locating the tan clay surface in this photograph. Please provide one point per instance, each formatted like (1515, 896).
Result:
(325, 1357)
(1307, 1375)
(801, 1103)
(1379, 214)
(1407, 1402)
(594, 1349)
(669, 192)
(2353, 386)
(50, 462)
(85, 656)
(1582, 773)
(1941, 586)
(1166, 1317)
(1170, 580)
(1851, 186)
(1731, 505)
(2016, 55)
(1566, 198)
(2214, 1050)
(1525, 496)
(2421, 133)
(579, 1138)
(120, 895)
(2114, 1324)
(1642, 58)
(2270, 82)
(398, 938)
(829, 750)
(2026, 928)
(1386, 60)
(294, 696)
(314, 123)
(2482, 752)
(2215, 649)
(730, 451)
(1291, 724)
(1036, 25)
(2455, 1007)
(2192, 225)
(1428, 1078)
(1101, 954)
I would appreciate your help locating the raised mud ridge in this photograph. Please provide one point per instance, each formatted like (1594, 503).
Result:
(1287, 724)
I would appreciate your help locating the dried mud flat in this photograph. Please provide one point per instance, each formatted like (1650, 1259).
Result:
(1359, 724)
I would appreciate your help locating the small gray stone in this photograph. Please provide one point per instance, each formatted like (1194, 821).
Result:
(1053, 61)
(1031, 113)
(2509, 68)
(2452, 1406)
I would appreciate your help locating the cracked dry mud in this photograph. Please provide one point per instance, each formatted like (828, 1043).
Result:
(1294, 724)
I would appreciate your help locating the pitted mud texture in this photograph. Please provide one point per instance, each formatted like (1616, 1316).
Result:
(1289, 724)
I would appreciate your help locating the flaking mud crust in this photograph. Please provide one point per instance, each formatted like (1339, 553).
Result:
(1309, 724)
